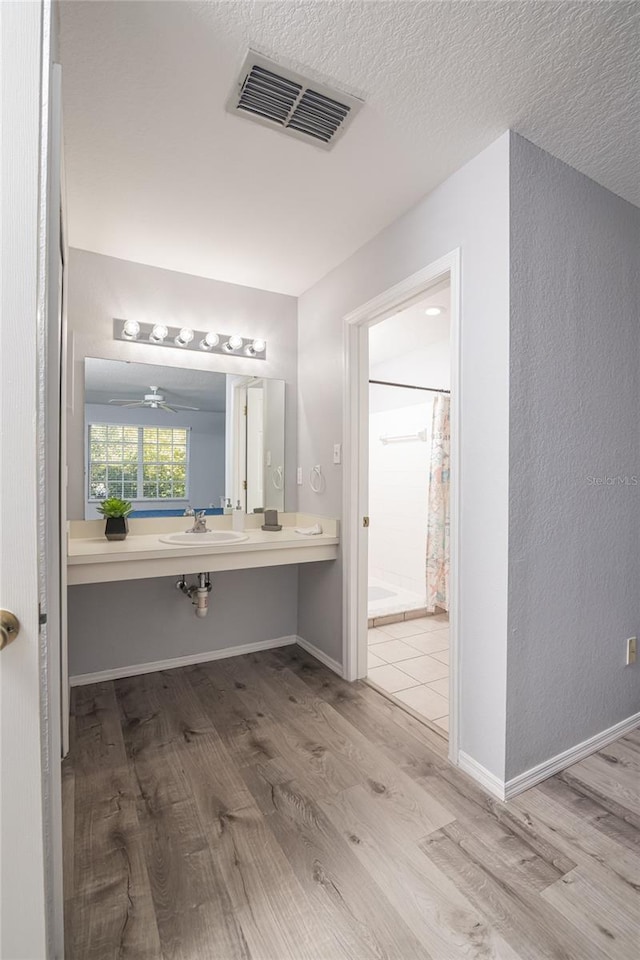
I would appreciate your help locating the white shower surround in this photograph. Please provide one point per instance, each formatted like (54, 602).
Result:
(399, 472)
(398, 483)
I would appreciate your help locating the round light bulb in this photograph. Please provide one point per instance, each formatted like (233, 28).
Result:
(184, 337)
(159, 333)
(259, 346)
(131, 329)
(212, 339)
(235, 342)
(433, 311)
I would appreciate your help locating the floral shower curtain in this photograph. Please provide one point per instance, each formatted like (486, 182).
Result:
(438, 507)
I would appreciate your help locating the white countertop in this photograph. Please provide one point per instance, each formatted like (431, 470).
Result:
(142, 555)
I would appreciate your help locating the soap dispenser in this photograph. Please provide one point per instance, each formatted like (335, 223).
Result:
(237, 521)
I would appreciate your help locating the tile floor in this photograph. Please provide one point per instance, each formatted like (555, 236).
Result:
(410, 660)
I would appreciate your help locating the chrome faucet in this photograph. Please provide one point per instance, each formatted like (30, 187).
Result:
(199, 520)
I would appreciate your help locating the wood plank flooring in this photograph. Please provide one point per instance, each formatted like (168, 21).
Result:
(260, 808)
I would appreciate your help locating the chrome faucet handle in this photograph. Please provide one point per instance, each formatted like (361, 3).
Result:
(188, 511)
(200, 522)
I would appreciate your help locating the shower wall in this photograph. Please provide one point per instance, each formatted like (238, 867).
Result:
(399, 472)
(398, 481)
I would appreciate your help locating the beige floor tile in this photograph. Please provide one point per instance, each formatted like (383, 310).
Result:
(425, 701)
(390, 678)
(391, 618)
(416, 614)
(428, 624)
(442, 656)
(394, 650)
(377, 636)
(429, 642)
(424, 669)
(440, 686)
(442, 722)
(406, 628)
(373, 661)
(442, 617)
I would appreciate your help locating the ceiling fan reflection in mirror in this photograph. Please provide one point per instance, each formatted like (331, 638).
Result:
(154, 400)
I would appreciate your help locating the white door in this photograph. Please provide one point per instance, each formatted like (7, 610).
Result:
(29, 854)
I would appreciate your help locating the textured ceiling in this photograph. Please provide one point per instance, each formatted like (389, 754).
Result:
(158, 172)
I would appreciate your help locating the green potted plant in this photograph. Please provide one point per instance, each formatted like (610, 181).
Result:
(115, 512)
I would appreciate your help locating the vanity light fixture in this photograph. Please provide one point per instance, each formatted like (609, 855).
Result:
(186, 338)
(233, 343)
(131, 330)
(258, 346)
(209, 341)
(434, 311)
(159, 333)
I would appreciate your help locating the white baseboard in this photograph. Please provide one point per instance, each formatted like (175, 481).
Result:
(320, 655)
(135, 670)
(492, 784)
(568, 757)
(529, 778)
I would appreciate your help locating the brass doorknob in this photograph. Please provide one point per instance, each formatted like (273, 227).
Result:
(9, 628)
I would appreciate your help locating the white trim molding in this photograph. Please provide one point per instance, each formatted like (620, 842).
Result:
(529, 778)
(320, 655)
(137, 669)
(492, 784)
(355, 466)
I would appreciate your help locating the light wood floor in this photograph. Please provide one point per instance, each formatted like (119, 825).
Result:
(260, 808)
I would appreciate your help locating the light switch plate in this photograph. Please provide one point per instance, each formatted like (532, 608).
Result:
(632, 650)
(299, 476)
(337, 453)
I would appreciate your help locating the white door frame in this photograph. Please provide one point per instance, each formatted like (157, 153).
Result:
(30, 826)
(239, 443)
(356, 469)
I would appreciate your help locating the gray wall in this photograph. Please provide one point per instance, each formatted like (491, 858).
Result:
(574, 564)
(101, 288)
(206, 451)
(471, 211)
(114, 625)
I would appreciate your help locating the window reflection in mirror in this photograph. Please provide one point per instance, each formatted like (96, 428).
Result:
(166, 438)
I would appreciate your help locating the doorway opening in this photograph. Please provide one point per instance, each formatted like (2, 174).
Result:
(401, 495)
(408, 550)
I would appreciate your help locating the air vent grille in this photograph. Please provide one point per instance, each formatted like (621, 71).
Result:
(277, 97)
(268, 95)
(318, 116)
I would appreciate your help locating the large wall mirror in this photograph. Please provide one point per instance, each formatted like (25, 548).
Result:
(166, 438)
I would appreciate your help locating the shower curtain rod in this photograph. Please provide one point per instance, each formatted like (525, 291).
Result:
(408, 386)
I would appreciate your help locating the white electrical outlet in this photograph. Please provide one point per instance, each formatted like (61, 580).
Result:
(299, 477)
(632, 650)
(337, 453)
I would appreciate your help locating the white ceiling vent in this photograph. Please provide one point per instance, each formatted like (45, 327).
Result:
(277, 97)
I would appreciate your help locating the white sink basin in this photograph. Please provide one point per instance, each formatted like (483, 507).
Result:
(210, 538)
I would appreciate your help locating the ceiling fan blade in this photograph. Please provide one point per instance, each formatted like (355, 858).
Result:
(181, 406)
(165, 406)
(129, 401)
